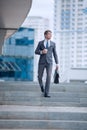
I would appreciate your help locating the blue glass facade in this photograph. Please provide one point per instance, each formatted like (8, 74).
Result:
(26, 39)
(20, 44)
(16, 68)
(18, 59)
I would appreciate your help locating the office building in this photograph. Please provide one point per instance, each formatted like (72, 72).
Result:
(70, 31)
(17, 61)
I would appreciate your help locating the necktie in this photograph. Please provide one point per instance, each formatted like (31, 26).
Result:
(47, 45)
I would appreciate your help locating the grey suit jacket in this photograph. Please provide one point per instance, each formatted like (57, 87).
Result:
(46, 57)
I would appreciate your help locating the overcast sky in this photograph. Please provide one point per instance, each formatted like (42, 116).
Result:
(43, 8)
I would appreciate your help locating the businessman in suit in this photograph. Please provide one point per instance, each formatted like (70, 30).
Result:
(46, 48)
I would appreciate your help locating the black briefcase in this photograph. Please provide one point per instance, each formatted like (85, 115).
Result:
(56, 77)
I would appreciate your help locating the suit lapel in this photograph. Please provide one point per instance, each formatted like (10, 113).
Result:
(51, 44)
(42, 45)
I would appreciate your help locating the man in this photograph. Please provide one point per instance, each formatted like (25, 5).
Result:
(45, 49)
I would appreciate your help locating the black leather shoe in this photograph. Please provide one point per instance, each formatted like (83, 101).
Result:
(48, 96)
(42, 89)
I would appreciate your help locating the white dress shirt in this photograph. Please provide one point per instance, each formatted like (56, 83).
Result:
(45, 42)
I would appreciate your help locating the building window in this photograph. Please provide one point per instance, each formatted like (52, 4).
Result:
(80, 4)
(80, 0)
(62, 0)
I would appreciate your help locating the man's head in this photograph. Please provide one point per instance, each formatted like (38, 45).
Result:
(48, 34)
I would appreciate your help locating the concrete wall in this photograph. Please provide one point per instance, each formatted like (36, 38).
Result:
(78, 74)
(12, 15)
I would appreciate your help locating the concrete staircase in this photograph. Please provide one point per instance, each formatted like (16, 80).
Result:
(22, 106)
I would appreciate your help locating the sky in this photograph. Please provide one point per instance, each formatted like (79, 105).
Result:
(43, 8)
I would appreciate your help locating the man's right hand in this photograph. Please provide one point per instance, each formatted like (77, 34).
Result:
(44, 51)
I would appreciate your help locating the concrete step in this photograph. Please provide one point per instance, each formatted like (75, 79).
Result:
(43, 118)
(43, 103)
(43, 124)
(33, 129)
(36, 98)
(42, 99)
(43, 113)
(25, 94)
(23, 86)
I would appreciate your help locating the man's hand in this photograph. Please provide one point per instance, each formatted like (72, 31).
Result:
(44, 51)
(57, 67)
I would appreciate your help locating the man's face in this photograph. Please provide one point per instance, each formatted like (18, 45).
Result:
(48, 35)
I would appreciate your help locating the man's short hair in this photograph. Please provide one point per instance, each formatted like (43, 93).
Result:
(46, 32)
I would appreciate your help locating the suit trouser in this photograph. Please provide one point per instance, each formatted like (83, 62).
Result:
(41, 68)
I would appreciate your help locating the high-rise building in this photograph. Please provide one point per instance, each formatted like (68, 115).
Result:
(40, 25)
(70, 31)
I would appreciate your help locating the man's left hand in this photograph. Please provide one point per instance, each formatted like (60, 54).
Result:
(57, 67)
